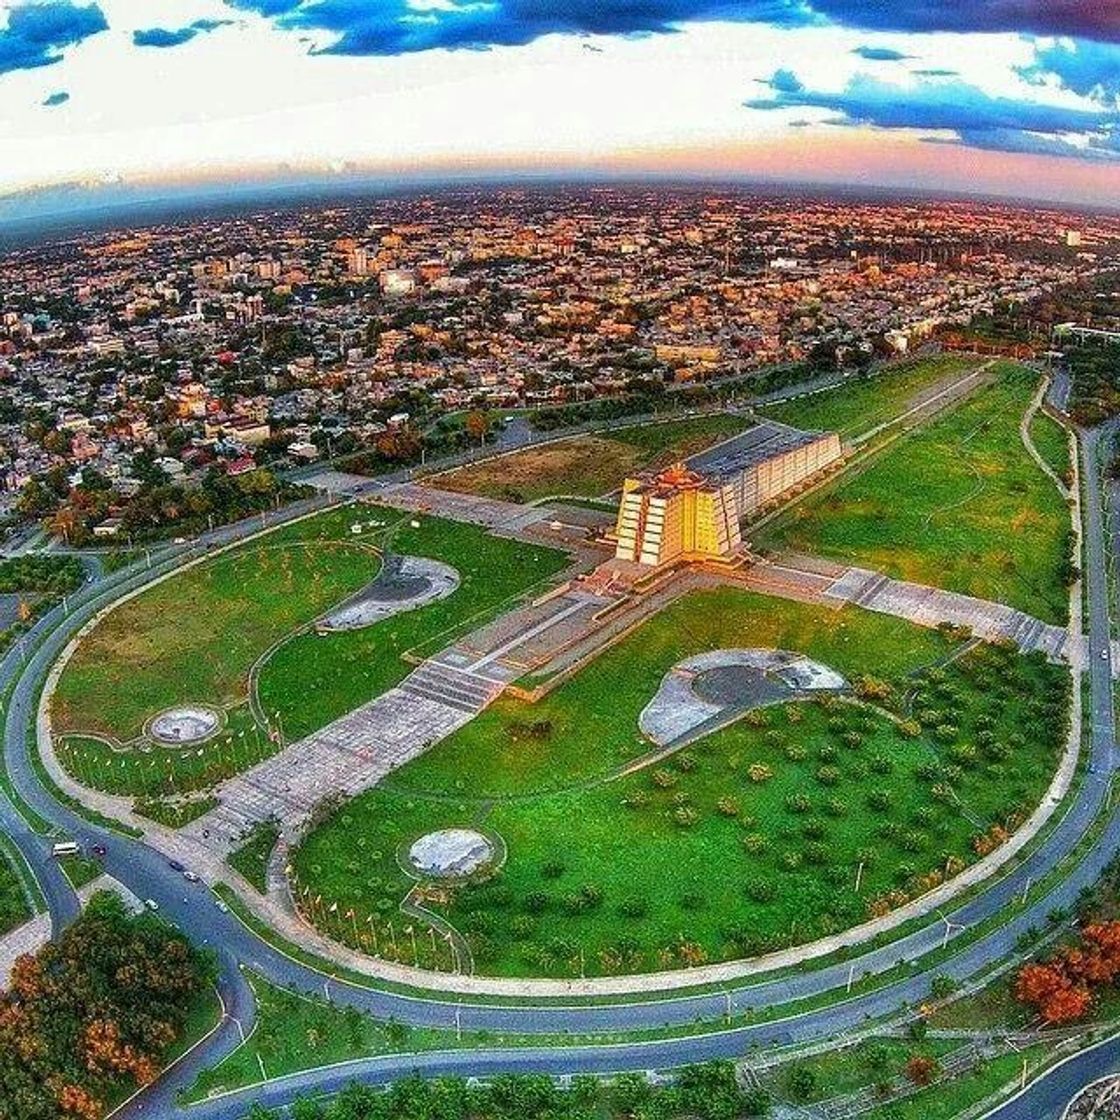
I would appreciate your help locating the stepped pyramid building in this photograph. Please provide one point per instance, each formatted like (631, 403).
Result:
(693, 511)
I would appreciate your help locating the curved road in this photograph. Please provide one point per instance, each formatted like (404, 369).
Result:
(147, 873)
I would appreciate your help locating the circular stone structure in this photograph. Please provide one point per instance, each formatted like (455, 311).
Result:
(452, 853)
(404, 583)
(184, 725)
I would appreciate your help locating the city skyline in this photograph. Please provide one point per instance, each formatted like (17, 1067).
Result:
(1017, 99)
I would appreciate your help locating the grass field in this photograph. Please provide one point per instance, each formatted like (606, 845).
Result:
(749, 840)
(14, 909)
(860, 404)
(195, 637)
(590, 465)
(1052, 443)
(958, 504)
(314, 679)
(251, 858)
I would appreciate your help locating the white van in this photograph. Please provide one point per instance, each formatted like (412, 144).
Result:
(65, 848)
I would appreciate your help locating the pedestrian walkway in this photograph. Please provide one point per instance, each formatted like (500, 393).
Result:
(931, 606)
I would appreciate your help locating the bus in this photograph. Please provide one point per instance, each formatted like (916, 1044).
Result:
(65, 848)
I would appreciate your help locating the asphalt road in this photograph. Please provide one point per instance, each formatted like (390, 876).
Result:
(147, 874)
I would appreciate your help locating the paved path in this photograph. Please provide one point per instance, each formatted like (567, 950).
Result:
(352, 753)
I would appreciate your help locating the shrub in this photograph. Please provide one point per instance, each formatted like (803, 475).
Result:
(728, 806)
(760, 890)
(798, 803)
(828, 775)
(685, 816)
(664, 779)
(552, 869)
(759, 772)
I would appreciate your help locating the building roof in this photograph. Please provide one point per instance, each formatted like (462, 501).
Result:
(765, 440)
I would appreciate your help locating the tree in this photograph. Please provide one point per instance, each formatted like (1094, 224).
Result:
(921, 1070)
(477, 424)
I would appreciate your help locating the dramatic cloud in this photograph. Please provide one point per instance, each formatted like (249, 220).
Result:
(881, 54)
(37, 33)
(1090, 19)
(391, 27)
(59, 98)
(978, 118)
(161, 37)
(1090, 69)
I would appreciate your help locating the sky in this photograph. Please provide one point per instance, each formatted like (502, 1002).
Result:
(1009, 97)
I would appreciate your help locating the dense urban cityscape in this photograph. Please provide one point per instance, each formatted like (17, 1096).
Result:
(157, 356)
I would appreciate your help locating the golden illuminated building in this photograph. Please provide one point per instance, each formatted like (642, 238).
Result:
(693, 511)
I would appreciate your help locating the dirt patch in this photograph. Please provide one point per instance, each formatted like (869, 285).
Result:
(584, 466)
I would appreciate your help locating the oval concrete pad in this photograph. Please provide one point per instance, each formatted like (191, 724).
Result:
(715, 686)
(404, 583)
(451, 853)
(184, 725)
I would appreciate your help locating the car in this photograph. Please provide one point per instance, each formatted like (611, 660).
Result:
(175, 865)
(151, 904)
(190, 876)
(221, 906)
(179, 540)
(98, 850)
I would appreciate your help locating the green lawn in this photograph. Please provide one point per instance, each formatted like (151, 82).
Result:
(590, 465)
(951, 1098)
(251, 858)
(314, 679)
(1052, 443)
(295, 1032)
(194, 637)
(862, 403)
(14, 910)
(958, 504)
(80, 870)
(836, 1072)
(695, 860)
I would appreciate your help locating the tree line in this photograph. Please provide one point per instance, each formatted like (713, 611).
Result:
(698, 1092)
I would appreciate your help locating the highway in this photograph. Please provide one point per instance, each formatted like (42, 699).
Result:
(148, 875)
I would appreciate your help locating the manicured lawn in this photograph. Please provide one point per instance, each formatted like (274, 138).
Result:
(1052, 442)
(194, 637)
(251, 859)
(590, 465)
(863, 403)
(699, 858)
(294, 1032)
(80, 870)
(314, 679)
(175, 814)
(958, 504)
(950, 1098)
(851, 1068)
(14, 909)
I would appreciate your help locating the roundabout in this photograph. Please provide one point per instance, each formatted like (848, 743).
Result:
(141, 864)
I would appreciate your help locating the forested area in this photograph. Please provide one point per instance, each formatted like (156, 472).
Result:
(93, 1015)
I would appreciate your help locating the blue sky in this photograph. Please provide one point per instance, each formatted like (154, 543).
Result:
(993, 93)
